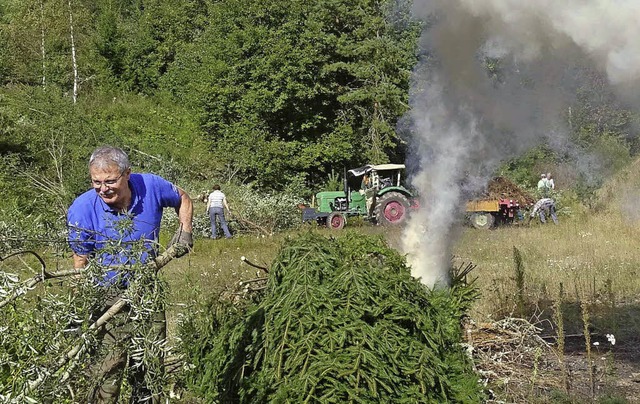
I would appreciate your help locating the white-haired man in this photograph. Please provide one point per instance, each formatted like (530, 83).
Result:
(122, 209)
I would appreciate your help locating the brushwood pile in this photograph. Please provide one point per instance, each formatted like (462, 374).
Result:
(502, 187)
(341, 320)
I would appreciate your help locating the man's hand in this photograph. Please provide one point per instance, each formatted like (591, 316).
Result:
(184, 239)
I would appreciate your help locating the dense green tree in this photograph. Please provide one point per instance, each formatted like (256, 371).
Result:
(136, 40)
(289, 89)
(283, 91)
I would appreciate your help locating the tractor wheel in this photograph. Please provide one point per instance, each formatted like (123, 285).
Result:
(336, 221)
(482, 220)
(391, 209)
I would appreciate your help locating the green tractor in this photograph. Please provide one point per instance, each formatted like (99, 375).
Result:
(373, 192)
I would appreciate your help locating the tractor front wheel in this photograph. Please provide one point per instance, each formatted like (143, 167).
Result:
(482, 220)
(336, 221)
(391, 209)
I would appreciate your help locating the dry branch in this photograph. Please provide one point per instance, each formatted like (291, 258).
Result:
(511, 352)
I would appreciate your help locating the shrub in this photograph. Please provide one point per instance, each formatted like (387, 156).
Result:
(29, 231)
(341, 320)
(252, 211)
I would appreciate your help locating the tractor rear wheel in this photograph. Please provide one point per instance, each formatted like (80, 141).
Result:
(482, 220)
(336, 221)
(391, 209)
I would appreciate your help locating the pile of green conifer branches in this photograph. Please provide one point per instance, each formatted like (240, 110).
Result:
(341, 320)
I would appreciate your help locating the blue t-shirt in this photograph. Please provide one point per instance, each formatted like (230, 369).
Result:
(94, 226)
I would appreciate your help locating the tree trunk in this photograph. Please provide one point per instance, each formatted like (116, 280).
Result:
(42, 48)
(73, 56)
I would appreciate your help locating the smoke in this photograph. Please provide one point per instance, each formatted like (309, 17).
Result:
(496, 78)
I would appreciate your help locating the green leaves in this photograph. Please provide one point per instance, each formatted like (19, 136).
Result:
(294, 87)
(342, 320)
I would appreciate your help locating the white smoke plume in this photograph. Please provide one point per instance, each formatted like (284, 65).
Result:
(607, 30)
(463, 124)
(438, 187)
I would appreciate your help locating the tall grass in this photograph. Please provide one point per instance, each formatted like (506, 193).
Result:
(577, 253)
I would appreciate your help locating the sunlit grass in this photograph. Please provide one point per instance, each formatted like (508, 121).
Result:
(581, 253)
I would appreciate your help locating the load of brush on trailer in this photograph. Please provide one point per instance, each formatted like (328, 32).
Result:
(499, 204)
(338, 320)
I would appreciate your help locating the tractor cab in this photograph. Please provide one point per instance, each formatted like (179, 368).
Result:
(375, 176)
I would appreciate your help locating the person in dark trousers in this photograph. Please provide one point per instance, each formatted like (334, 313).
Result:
(122, 209)
(216, 204)
(541, 207)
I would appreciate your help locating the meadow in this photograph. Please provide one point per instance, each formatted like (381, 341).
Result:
(576, 282)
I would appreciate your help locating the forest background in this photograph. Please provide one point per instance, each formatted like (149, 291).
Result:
(272, 99)
(275, 96)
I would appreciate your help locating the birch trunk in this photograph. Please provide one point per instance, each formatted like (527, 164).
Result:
(42, 48)
(73, 56)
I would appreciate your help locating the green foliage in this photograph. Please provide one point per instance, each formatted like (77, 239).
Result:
(334, 183)
(45, 149)
(518, 267)
(525, 170)
(341, 320)
(321, 83)
(37, 331)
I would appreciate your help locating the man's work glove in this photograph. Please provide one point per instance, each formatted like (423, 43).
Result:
(184, 241)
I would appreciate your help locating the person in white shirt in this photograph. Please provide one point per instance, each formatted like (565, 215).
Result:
(216, 204)
(552, 185)
(543, 186)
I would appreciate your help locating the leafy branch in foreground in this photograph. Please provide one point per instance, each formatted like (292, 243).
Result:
(341, 320)
(49, 337)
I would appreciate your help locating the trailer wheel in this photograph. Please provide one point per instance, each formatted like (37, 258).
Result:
(336, 221)
(391, 209)
(482, 220)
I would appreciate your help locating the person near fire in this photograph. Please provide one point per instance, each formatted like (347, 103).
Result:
(542, 207)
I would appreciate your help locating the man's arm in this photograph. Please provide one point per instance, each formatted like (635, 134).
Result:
(185, 211)
(224, 201)
(79, 261)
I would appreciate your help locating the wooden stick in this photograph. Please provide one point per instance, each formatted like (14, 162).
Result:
(246, 261)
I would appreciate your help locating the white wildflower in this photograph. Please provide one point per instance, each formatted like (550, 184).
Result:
(611, 338)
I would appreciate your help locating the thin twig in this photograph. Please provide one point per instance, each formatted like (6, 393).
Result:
(246, 261)
(241, 283)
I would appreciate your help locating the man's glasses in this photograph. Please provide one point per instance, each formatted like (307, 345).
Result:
(106, 183)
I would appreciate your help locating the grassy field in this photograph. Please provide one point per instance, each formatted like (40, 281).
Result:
(594, 258)
(577, 282)
(591, 261)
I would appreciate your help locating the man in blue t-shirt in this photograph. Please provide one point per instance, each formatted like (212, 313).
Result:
(117, 223)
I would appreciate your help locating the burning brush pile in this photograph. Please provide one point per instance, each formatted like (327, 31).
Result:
(340, 319)
(502, 187)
